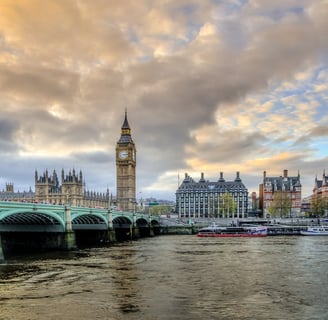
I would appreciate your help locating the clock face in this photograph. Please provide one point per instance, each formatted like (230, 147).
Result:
(123, 154)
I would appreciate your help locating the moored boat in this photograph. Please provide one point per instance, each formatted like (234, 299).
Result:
(315, 231)
(225, 232)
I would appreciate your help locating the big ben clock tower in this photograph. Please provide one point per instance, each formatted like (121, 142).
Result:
(126, 169)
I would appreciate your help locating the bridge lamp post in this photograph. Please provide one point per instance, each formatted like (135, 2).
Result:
(110, 214)
(134, 211)
(134, 220)
(149, 220)
(134, 202)
(140, 201)
(67, 198)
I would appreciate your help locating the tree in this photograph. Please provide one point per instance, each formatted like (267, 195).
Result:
(318, 206)
(281, 204)
(159, 210)
(227, 205)
(274, 213)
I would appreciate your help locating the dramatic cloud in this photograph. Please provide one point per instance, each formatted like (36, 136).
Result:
(209, 86)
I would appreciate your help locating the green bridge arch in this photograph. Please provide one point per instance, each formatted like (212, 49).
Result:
(64, 228)
(17, 213)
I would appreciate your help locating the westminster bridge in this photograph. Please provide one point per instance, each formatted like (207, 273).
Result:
(29, 226)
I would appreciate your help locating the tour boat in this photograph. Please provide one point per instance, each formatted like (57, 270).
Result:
(223, 232)
(315, 231)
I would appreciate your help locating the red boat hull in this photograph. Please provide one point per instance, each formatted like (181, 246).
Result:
(235, 235)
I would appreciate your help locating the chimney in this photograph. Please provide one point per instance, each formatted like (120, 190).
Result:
(324, 178)
(285, 173)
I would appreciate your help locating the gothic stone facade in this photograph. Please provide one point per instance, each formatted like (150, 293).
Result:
(126, 169)
(71, 190)
(20, 196)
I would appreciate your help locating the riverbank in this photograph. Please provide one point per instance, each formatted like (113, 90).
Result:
(276, 227)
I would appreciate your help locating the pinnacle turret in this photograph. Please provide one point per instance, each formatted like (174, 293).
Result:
(125, 131)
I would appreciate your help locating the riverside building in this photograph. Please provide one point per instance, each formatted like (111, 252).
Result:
(71, 190)
(319, 198)
(126, 169)
(321, 187)
(205, 199)
(284, 187)
(50, 190)
(19, 196)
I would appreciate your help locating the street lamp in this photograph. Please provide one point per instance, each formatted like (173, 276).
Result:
(110, 214)
(67, 198)
(134, 202)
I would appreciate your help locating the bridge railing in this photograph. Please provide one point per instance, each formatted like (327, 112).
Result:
(8, 207)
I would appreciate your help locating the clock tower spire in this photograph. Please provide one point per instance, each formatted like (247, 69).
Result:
(126, 168)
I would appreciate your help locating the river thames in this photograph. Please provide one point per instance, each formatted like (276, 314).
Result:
(172, 277)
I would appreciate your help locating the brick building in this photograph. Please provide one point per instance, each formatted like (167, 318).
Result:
(288, 186)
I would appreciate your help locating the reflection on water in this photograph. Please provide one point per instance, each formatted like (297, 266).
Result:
(172, 277)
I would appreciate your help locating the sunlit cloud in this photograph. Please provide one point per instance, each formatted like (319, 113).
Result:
(209, 87)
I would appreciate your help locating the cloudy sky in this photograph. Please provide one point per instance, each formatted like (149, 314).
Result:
(209, 85)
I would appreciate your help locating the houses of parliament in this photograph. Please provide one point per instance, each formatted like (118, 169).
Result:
(71, 190)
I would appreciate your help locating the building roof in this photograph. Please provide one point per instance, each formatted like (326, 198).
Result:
(283, 183)
(125, 137)
(125, 124)
(323, 182)
(213, 186)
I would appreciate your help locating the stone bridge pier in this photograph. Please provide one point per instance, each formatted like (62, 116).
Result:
(2, 258)
(111, 232)
(69, 241)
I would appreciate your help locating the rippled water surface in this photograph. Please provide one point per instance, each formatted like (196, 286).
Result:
(172, 277)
